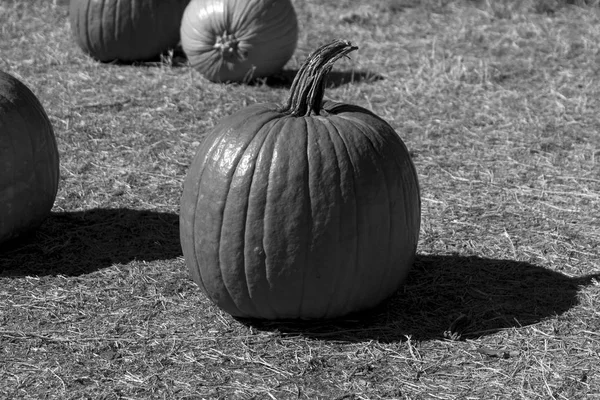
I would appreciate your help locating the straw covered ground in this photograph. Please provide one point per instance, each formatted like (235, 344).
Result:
(499, 104)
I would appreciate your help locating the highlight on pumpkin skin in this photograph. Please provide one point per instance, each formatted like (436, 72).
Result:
(238, 40)
(308, 87)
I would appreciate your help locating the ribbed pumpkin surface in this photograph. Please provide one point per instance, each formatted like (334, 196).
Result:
(236, 40)
(126, 30)
(311, 216)
(29, 164)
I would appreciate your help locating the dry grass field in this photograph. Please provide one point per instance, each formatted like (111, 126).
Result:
(499, 103)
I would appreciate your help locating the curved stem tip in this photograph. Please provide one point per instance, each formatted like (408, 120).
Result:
(308, 87)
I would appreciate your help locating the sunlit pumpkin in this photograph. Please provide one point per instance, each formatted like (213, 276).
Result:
(237, 40)
(126, 30)
(28, 160)
(304, 211)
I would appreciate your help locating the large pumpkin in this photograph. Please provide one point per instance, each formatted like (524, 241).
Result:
(28, 160)
(310, 210)
(236, 40)
(126, 30)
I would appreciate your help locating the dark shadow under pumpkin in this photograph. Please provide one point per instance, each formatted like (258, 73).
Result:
(282, 79)
(75, 243)
(335, 78)
(173, 58)
(452, 297)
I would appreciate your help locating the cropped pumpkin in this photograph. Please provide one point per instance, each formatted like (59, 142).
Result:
(126, 30)
(305, 211)
(237, 40)
(28, 160)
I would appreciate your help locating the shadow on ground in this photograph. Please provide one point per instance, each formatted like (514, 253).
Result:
(75, 243)
(282, 79)
(335, 79)
(453, 297)
(173, 58)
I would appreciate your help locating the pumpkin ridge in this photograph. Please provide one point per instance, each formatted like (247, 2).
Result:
(255, 33)
(192, 231)
(331, 131)
(226, 14)
(409, 179)
(239, 154)
(217, 136)
(117, 27)
(270, 275)
(234, 22)
(223, 131)
(328, 176)
(132, 14)
(251, 186)
(352, 175)
(394, 140)
(101, 28)
(88, 41)
(269, 272)
(361, 292)
(209, 152)
(251, 14)
(367, 133)
(242, 153)
(223, 21)
(309, 211)
(402, 165)
(308, 203)
(213, 58)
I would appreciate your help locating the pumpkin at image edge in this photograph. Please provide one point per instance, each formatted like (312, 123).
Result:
(305, 211)
(238, 40)
(29, 161)
(126, 30)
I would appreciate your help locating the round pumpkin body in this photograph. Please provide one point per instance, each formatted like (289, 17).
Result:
(126, 30)
(296, 213)
(237, 40)
(300, 217)
(29, 162)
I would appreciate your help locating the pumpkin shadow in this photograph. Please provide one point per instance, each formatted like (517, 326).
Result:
(172, 58)
(284, 78)
(76, 243)
(452, 297)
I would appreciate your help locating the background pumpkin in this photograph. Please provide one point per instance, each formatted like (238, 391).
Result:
(306, 211)
(126, 30)
(235, 40)
(29, 163)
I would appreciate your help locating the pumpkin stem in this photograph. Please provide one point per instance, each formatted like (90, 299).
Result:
(228, 45)
(308, 87)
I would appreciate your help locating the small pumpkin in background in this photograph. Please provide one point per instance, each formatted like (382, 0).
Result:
(29, 162)
(126, 30)
(237, 40)
(305, 211)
